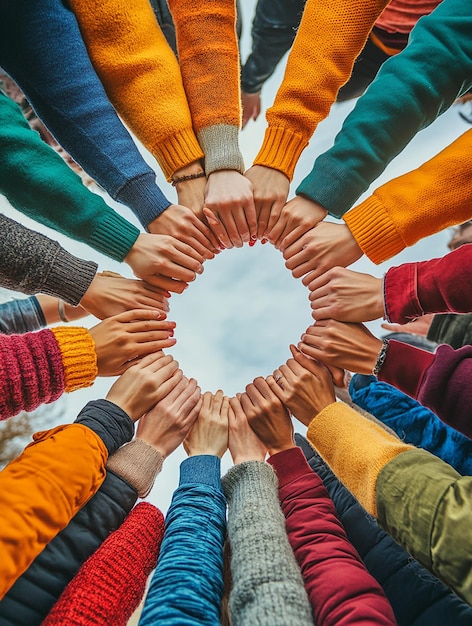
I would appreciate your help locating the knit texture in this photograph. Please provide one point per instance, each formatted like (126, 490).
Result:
(111, 583)
(401, 15)
(267, 586)
(79, 358)
(138, 463)
(356, 449)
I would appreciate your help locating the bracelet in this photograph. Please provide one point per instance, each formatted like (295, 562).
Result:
(60, 310)
(182, 179)
(381, 357)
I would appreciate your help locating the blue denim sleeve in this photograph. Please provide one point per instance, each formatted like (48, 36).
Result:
(21, 316)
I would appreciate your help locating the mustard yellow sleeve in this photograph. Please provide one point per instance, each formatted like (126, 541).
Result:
(78, 356)
(422, 202)
(141, 77)
(331, 35)
(355, 448)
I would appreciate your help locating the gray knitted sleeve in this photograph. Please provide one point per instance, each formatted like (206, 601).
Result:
(267, 586)
(32, 263)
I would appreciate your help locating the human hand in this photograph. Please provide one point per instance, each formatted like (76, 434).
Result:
(164, 261)
(251, 103)
(346, 296)
(303, 385)
(419, 326)
(242, 440)
(267, 416)
(182, 223)
(325, 246)
(123, 339)
(167, 424)
(229, 208)
(109, 295)
(144, 383)
(297, 217)
(209, 434)
(346, 345)
(270, 190)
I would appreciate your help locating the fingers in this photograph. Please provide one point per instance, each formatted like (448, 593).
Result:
(218, 228)
(169, 284)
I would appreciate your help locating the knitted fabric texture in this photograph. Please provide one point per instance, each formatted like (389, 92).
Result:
(78, 356)
(138, 463)
(111, 583)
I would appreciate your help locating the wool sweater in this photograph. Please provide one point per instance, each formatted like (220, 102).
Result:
(410, 91)
(51, 480)
(420, 500)
(267, 588)
(67, 95)
(166, 105)
(38, 367)
(187, 585)
(37, 182)
(340, 589)
(32, 263)
(440, 191)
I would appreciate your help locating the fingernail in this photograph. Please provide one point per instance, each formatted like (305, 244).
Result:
(253, 237)
(200, 270)
(252, 243)
(264, 240)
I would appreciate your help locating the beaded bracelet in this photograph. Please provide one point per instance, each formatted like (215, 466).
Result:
(381, 357)
(182, 179)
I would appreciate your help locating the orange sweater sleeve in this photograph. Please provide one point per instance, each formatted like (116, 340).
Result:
(330, 36)
(78, 356)
(433, 197)
(141, 77)
(209, 61)
(42, 490)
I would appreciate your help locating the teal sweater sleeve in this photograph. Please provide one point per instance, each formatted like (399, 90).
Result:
(410, 91)
(38, 183)
(187, 585)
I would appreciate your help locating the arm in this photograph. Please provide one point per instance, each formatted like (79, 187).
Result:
(453, 329)
(22, 315)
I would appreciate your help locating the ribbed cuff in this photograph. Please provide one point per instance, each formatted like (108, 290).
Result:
(281, 150)
(70, 277)
(108, 421)
(144, 198)
(177, 151)
(289, 465)
(138, 463)
(78, 356)
(201, 469)
(114, 237)
(221, 148)
(374, 231)
(249, 480)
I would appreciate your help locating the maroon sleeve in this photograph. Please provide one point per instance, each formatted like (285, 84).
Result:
(437, 286)
(341, 590)
(31, 372)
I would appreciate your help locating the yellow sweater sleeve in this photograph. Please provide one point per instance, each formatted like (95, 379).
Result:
(141, 77)
(209, 62)
(408, 208)
(78, 356)
(330, 36)
(355, 448)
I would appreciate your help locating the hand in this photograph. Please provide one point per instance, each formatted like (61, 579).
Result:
(110, 295)
(209, 434)
(169, 422)
(297, 217)
(346, 296)
(251, 103)
(164, 261)
(419, 326)
(325, 246)
(123, 339)
(180, 222)
(267, 416)
(229, 208)
(270, 189)
(144, 384)
(242, 441)
(350, 346)
(304, 386)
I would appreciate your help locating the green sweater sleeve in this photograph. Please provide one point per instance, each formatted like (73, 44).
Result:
(410, 91)
(37, 182)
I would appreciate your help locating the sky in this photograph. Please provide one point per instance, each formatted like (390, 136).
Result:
(236, 321)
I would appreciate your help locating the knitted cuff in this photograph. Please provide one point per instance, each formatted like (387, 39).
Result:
(355, 448)
(78, 356)
(138, 463)
(144, 198)
(281, 150)
(251, 479)
(59, 283)
(220, 145)
(177, 151)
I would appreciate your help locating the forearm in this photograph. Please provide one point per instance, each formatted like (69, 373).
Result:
(21, 316)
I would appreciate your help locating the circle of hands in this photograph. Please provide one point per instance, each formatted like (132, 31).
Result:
(226, 211)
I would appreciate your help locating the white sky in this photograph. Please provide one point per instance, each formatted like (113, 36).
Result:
(236, 321)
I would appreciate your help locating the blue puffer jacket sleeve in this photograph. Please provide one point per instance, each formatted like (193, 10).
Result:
(416, 596)
(187, 585)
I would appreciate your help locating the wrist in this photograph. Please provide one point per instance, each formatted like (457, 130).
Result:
(381, 356)
(280, 447)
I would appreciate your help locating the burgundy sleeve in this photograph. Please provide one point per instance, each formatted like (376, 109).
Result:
(441, 285)
(341, 590)
(31, 372)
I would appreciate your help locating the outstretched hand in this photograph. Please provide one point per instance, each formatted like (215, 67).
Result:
(209, 434)
(296, 218)
(243, 442)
